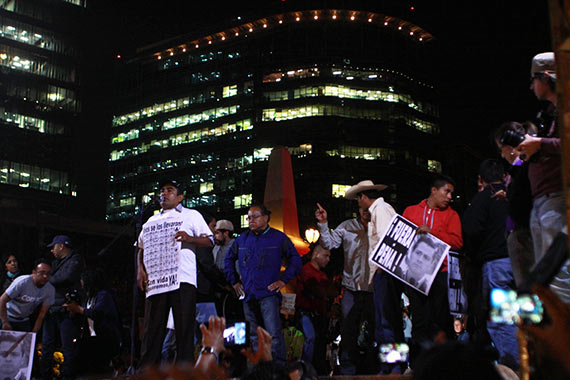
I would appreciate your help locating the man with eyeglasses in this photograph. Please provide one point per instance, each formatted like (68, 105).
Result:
(548, 214)
(260, 252)
(24, 296)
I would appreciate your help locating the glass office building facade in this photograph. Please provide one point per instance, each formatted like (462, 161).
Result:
(350, 93)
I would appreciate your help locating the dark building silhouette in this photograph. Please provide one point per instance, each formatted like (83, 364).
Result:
(352, 94)
(43, 186)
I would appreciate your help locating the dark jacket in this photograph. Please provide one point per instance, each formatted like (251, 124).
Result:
(65, 277)
(106, 321)
(519, 195)
(484, 226)
(210, 279)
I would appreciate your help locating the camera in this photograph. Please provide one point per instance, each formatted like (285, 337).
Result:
(508, 307)
(72, 296)
(394, 352)
(511, 138)
(237, 334)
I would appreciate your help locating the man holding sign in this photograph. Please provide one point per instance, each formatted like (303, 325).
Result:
(167, 273)
(430, 314)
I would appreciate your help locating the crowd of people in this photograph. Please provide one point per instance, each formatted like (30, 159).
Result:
(197, 274)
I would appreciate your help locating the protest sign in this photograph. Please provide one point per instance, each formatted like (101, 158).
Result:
(413, 258)
(16, 354)
(456, 292)
(161, 254)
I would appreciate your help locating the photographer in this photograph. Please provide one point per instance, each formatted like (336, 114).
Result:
(547, 217)
(101, 340)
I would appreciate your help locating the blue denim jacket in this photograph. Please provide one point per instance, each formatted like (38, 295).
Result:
(259, 258)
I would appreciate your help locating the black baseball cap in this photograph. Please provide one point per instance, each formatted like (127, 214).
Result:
(172, 182)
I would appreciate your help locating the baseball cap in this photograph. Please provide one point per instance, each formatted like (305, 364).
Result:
(60, 239)
(224, 224)
(543, 63)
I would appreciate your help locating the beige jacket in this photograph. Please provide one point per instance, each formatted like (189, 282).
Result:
(381, 213)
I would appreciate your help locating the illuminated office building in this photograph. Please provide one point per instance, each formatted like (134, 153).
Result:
(350, 93)
(40, 120)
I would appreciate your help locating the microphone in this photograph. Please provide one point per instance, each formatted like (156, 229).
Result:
(156, 199)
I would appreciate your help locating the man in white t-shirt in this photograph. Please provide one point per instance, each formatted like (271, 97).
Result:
(24, 296)
(167, 273)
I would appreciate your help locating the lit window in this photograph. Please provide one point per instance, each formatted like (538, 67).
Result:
(338, 191)
(434, 166)
(243, 221)
(228, 91)
(206, 187)
(242, 201)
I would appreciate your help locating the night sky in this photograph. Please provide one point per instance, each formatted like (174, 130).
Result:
(484, 68)
(483, 72)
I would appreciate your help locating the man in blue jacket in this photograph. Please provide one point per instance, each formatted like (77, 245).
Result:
(260, 252)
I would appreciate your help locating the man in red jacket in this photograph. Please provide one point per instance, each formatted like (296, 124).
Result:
(430, 314)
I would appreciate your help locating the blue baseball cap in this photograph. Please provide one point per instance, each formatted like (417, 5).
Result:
(60, 239)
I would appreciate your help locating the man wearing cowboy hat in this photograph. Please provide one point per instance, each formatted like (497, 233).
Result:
(386, 291)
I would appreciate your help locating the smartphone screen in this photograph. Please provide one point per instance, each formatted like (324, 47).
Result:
(508, 307)
(236, 334)
(394, 352)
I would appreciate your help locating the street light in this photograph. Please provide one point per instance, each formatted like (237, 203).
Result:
(312, 235)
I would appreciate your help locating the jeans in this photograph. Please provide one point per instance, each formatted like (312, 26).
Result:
(547, 219)
(265, 312)
(388, 312)
(59, 327)
(356, 307)
(499, 274)
(310, 336)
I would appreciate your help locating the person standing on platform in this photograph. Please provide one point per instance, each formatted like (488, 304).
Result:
(159, 253)
(259, 253)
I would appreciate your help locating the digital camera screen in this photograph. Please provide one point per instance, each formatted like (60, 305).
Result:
(394, 352)
(236, 335)
(508, 307)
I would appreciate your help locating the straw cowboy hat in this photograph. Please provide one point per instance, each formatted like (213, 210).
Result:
(362, 186)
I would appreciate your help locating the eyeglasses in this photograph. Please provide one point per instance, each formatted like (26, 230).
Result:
(249, 218)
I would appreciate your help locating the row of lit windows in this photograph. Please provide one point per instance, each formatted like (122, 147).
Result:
(16, 59)
(364, 153)
(262, 154)
(280, 114)
(26, 122)
(203, 135)
(35, 177)
(172, 105)
(46, 95)
(385, 154)
(176, 122)
(383, 75)
(169, 62)
(349, 93)
(291, 74)
(32, 35)
(209, 159)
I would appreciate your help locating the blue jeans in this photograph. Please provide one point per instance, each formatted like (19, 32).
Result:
(265, 312)
(547, 219)
(59, 327)
(310, 336)
(499, 274)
